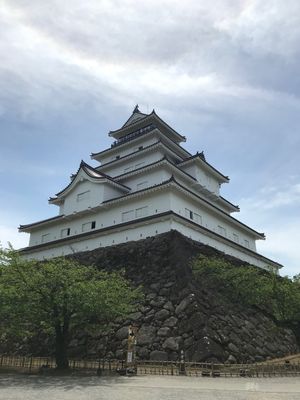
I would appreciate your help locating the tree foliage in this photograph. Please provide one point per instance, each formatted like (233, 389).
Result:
(59, 297)
(250, 285)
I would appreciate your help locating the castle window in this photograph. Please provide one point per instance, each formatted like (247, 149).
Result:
(87, 226)
(127, 215)
(128, 169)
(221, 230)
(197, 218)
(141, 212)
(83, 196)
(236, 238)
(141, 147)
(246, 243)
(65, 232)
(117, 157)
(46, 237)
(189, 213)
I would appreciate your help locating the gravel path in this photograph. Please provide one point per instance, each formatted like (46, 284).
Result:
(21, 387)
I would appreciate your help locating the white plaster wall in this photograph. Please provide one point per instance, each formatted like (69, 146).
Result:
(153, 177)
(119, 168)
(203, 176)
(157, 202)
(179, 202)
(190, 169)
(108, 239)
(127, 234)
(98, 192)
(95, 197)
(106, 215)
(111, 192)
(224, 247)
(207, 180)
(129, 147)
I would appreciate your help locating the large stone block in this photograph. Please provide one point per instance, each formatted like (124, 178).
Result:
(171, 343)
(205, 349)
(162, 315)
(122, 333)
(157, 355)
(146, 335)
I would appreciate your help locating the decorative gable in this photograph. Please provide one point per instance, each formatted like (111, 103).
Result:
(88, 188)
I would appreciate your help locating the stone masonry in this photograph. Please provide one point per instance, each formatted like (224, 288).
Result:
(179, 313)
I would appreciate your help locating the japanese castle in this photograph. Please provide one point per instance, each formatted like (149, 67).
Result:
(146, 184)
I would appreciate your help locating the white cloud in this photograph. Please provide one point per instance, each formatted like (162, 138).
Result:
(10, 234)
(268, 26)
(282, 245)
(273, 197)
(275, 210)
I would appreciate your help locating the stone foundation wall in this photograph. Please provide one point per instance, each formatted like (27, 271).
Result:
(178, 313)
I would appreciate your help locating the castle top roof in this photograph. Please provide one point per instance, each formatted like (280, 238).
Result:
(135, 116)
(138, 120)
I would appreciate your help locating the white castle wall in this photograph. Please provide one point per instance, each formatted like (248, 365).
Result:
(139, 160)
(128, 148)
(210, 220)
(206, 178)
(105, 216)
(138, 232)
(88, 194)
(149, 204)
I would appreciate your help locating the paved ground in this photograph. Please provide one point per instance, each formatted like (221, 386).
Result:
(21, 387)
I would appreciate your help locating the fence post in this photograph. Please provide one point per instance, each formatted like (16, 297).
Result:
(182, 364)
(30, 364)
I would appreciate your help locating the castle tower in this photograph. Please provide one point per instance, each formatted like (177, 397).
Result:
(146, 183)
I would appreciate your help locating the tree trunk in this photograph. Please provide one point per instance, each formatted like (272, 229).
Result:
(61, 346)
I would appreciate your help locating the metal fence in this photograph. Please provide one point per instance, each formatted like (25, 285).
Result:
(39, 364)
(35, 364)
(217, 370)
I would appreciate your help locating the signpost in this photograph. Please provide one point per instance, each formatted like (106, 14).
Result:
(132, 331)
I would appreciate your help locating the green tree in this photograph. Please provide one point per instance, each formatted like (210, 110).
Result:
(279, 296)
(58, 297)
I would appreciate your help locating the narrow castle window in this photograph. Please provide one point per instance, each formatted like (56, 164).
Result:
(221, 230)
(197, 218)
(65, 232)
(83, 196)
(189, 213)
(127, 215)
(87, 226)
(46, 237)
(141, 212)
(236, 238)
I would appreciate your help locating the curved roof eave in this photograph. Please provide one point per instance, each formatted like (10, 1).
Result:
(91, 173)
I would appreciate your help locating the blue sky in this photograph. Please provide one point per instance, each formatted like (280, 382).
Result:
(224, 74)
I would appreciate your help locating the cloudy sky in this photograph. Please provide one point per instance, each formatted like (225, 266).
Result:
(223, 73)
